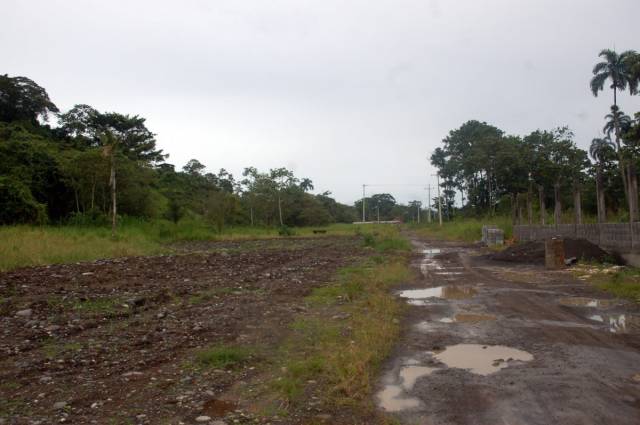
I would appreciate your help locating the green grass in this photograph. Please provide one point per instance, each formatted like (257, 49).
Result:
(623, 283)
(23, 246)
(463, 229)
(223, 356)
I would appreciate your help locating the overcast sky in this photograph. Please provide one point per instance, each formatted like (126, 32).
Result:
(342, 92)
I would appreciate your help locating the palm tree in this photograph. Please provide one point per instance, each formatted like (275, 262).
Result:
(619, 118)
(599, 150)
(633, 65)
(614, 67)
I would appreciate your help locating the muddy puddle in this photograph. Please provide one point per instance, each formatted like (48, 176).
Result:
(410, 374)
(452, 292)
(391, 399)
(431, 251)
(468, 318)
(588, 302)
(481, 359)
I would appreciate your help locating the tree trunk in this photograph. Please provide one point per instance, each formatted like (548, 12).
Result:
(280, 210)
(633, 193)
(602, 212)
(514, 208)
(577, 204)
(543, 209)
(519, 204)
(112, 181)
(557, 207)
(251, 212)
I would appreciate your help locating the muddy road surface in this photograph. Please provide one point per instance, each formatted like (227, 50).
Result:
(501, 343)
(116, 341)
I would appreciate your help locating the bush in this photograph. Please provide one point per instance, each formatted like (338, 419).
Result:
(17, 204)
(286, 231)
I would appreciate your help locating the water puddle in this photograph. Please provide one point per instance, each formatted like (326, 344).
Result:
(587, 302)
(410, 374)
(431, 251)
(481, 359)
(618, 323)
(448, 292)
(218, 408)
(391, 400)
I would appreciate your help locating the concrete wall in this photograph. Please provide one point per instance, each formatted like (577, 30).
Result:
(619, 237)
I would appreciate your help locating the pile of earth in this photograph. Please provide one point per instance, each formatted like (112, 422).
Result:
(533, 252)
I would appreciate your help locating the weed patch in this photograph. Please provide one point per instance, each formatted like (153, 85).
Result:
(223, 356)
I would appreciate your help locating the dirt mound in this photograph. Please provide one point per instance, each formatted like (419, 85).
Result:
(533, 252)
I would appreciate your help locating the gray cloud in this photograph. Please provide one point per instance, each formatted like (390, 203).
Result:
(343, 92)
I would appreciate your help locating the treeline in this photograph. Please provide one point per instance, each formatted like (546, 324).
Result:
(523, 175)
(95, 163)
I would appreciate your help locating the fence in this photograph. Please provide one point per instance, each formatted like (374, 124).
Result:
(621, 237)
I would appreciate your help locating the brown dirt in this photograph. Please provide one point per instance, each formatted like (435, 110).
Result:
(533, 252)
(585, 356)
(116, 339)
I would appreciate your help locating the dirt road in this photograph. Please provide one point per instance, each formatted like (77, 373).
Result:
(499, 343)
(115, 341)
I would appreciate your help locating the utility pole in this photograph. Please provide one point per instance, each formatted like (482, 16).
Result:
(363, 201)
(418, 205)
(428, 203)
(439, 201)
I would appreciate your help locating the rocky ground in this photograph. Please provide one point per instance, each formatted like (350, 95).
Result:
(490, 342)
(116, 341)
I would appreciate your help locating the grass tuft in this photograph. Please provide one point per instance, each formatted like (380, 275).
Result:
(223, 356)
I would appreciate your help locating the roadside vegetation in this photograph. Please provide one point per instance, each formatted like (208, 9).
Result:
(337, 345)
(620, 281)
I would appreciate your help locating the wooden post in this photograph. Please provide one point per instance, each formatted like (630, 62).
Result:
(577, 204)
(554, 254)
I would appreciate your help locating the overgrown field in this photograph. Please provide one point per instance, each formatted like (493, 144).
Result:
(289, 330)
(33, 245)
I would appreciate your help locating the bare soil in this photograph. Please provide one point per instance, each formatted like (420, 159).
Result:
(115, 341)
(533, 252)
(578, 362)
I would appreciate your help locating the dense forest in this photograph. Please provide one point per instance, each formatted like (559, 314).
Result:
(493, 172)
(92, 163)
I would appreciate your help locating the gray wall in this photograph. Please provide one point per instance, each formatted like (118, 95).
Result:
(620, 237)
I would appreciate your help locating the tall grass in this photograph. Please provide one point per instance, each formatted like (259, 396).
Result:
(22, 246)
(463, 229)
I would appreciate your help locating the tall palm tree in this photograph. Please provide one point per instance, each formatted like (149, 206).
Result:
(615, 67)
(632, 62)
(599, 150)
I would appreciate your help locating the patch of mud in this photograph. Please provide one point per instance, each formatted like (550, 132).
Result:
(451, 292)
(218, 408)
(481, 359)
(473, 318)
(618, 323)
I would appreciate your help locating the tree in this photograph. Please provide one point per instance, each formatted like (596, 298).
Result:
(194, 167)
(614, 67)
(110, 144)
(21, 99)
(87, 125)
(599, 150)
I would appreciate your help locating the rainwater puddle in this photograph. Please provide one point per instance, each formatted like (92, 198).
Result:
(391, 400)
(218, 408)
(410, 374)
(481, 359)
(449, 292)
(431, 251)
(587, 302)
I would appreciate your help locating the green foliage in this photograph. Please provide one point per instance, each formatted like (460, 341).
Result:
(17, 203)
(223, 356)
(286, 231)
(464, 229)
